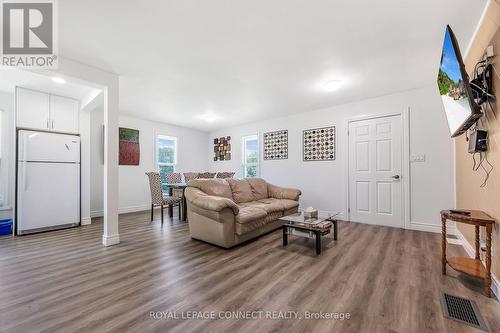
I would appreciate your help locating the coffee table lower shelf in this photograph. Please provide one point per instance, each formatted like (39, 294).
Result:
(287, 228)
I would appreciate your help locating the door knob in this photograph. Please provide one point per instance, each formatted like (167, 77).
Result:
(395, 177)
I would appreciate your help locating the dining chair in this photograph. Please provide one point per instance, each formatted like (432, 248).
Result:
(189, 176)
(206, 175)
(158, 198)
(225, 175)
(174, 178)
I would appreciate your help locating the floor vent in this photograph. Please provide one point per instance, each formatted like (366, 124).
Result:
(462, 310)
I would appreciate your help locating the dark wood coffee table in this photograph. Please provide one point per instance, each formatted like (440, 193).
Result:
(299, 225)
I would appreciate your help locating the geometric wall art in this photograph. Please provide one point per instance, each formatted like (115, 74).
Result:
(129, 148)
(276, 145)
(222, 149)
(319, 144)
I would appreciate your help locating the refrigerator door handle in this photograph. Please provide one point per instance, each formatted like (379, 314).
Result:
(25, 177)
(23, 165)
(25, 148)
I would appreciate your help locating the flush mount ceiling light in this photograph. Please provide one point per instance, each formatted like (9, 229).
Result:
(332, 85)
(59, 80)
(209, 117)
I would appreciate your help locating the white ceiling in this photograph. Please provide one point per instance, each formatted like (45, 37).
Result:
(249, 60)
(12, 77)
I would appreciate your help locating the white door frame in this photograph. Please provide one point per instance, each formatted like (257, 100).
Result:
(405, 172)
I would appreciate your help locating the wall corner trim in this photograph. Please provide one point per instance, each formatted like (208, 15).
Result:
(435, 228)
(476, 30)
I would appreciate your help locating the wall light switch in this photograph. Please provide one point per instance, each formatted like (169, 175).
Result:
(417, 158)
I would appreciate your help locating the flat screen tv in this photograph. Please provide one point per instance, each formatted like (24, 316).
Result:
(453, 82)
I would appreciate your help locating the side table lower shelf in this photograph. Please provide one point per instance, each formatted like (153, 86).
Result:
(470, 266)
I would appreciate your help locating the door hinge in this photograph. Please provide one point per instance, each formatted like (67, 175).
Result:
(348, 210)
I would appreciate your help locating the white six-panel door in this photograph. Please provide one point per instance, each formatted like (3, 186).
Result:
(375, 165)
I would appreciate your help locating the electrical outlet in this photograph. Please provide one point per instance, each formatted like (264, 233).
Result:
(489, 52)
(417, 158)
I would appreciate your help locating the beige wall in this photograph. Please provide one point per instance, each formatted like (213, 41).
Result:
(469, 193)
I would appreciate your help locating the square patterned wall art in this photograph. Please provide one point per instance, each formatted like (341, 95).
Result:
(319, 144)
(130, 152)
(222, 149)
(276, 145)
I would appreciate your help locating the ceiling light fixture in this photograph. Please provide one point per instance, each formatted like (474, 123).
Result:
(59, 80)
(209, 117)
(332, 85)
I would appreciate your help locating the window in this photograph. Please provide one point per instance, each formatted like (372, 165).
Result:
(250, 156)
(166, 155)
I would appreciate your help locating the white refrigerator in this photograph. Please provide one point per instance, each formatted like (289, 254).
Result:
(48, 181)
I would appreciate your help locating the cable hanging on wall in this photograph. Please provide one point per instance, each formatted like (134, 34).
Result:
(482, 87)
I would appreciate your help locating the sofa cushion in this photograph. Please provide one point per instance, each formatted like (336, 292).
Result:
(268, 200)
(273, 216)
(196, 197)
(285, 204)
(268, 206)
(259, 188)
(279, 192)
(249, 213)
(241, 190)
(288, 204)
(244, 228)
(215, 187)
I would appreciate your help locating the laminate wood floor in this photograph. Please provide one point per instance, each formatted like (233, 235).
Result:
(388, 280)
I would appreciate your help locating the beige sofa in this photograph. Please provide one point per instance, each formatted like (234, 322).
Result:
(226, 212)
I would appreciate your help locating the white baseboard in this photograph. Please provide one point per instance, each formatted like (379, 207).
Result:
(495, 284)
(132, 209)
(123, 210)
(435, 228)
(341, 216)
(86, 220)
(465, 244)
(110, 240)
(96, 213)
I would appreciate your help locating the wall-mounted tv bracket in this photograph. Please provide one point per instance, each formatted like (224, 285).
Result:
(482, 83)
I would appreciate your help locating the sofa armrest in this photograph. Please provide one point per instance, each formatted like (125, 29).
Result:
(278, 192)
(202, 200)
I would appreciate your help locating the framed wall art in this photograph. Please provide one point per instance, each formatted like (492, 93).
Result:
(222, 148)
(276, 145)
(319, 144)
(130, 150)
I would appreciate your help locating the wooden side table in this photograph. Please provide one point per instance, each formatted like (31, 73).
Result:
(470, 266)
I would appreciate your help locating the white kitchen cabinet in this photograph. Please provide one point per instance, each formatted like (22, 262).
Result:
(42, 111)
(63, 114)
(32, 109)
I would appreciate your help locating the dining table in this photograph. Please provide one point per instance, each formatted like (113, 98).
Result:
(181, 186)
